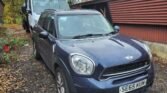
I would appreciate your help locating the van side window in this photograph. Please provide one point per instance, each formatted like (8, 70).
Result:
(27, 5)
(30, 4)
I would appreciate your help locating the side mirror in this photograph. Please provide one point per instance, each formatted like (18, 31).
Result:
(43, 34)
(116, 28)
(23, 9)
(29, 12)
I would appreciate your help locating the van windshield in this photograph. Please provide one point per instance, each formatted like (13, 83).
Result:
(39, 6)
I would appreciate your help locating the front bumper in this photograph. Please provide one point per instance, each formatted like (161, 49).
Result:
(91, 85)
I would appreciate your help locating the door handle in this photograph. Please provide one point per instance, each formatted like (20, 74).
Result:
(53, 48)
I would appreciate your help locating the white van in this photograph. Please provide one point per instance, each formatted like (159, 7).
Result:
(32, 9)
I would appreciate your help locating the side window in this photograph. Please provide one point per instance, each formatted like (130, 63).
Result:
(30, 4)
(51, 26)
(46, 22)
(42, 19)
(27, 4)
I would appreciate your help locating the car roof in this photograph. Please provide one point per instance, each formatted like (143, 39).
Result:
(74, 12)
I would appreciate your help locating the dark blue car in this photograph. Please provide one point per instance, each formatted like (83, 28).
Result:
(87, 55)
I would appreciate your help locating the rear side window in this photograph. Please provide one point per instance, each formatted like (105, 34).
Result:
(41, 19)
(46, 22)
(51, 26)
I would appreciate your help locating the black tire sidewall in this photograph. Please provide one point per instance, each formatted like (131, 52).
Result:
(59, 70)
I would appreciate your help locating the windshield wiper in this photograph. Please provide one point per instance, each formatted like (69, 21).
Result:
(87, 35)
(113, 32)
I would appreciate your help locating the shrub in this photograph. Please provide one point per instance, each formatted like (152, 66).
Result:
(9, 45)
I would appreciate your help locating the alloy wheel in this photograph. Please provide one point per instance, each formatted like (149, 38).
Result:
(60, 83)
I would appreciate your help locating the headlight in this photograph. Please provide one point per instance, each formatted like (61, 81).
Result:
(148, 50)
(81, 64)
(145, 47)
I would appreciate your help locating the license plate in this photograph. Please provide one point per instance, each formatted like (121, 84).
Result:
(133, 86)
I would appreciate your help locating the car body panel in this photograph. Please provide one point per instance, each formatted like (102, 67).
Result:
(106, 51)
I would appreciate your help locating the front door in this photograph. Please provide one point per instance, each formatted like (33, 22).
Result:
(48, 44)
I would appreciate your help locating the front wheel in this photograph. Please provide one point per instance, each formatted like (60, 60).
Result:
(61, 82)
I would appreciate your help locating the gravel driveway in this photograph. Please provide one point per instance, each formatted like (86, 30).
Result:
(31, 76)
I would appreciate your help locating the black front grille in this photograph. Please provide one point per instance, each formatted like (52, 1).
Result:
(124, 68)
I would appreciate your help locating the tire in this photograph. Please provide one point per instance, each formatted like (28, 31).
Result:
(27, 24)
(35, 52)
(23, 24)
(27, 28)
(61, 82)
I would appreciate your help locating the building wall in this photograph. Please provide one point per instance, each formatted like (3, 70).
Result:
(145, 32)
(152, 12)
(144, 19)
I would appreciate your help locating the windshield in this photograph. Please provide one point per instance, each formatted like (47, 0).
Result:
(71, 26)
(40, 5)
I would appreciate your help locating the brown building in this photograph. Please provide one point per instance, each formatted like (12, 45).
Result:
(1, 10)
(143, 19)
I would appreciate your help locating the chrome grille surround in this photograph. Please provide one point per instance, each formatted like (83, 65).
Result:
(125, 74)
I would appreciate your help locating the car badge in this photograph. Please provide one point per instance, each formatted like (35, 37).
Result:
(129, 57)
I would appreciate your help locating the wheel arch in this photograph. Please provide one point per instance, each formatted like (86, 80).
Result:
(60, 63)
